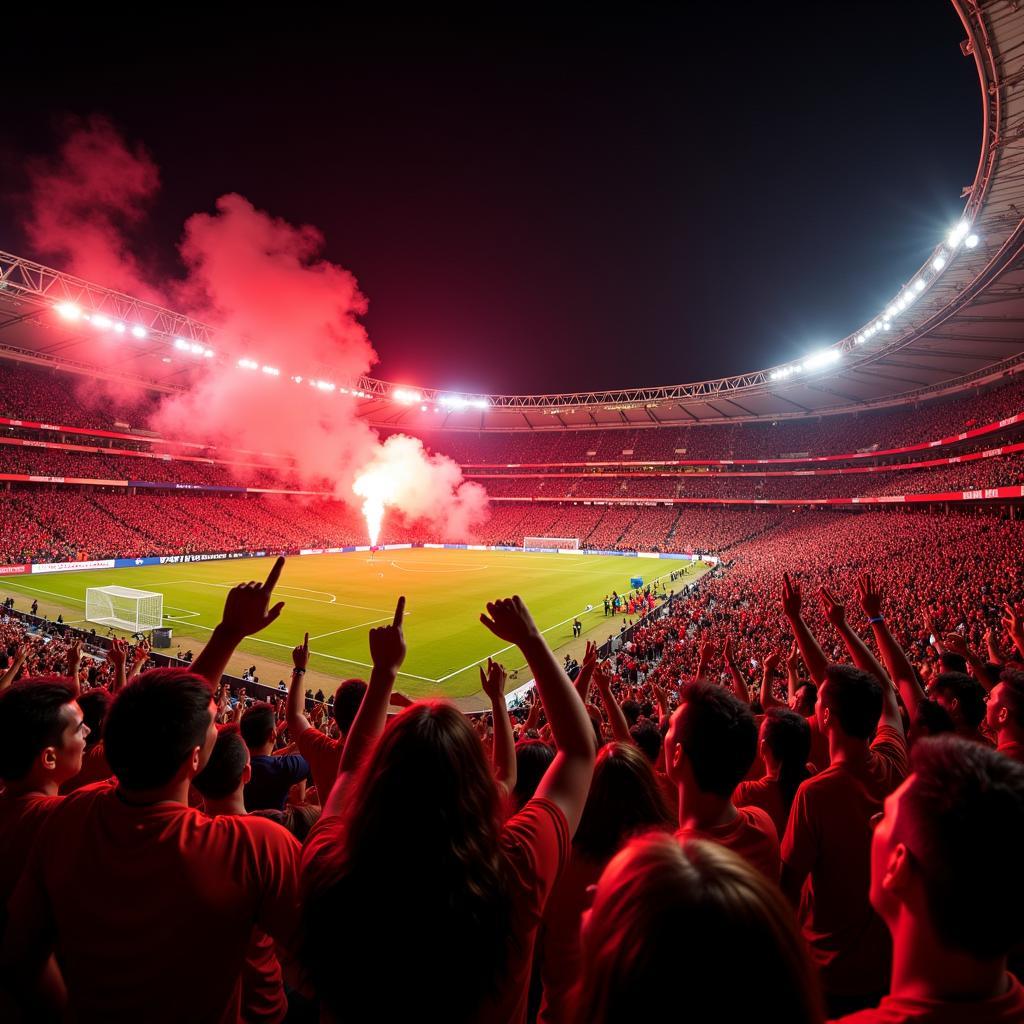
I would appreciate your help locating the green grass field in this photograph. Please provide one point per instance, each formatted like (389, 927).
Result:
(338, 598)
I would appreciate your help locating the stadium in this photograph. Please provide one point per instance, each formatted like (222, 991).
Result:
(157, 451)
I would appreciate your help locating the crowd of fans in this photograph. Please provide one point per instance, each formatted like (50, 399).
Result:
(796, 791)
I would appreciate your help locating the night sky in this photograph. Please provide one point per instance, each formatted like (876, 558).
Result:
(548, 202)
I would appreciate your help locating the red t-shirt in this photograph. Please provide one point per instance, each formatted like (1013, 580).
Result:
(819, 755)
(1005, 1009)
(21, 818)
(536, 842)
(324, 756)
(828, 843)
(751, 834)
(560, 945)
(172, 898)
(764, 793)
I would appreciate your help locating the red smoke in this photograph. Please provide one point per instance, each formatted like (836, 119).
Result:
(80, 206)
(264, 284)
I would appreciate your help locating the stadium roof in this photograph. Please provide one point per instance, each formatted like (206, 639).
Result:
(957, 323)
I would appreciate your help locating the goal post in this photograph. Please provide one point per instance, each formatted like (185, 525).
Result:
(551, 543)
(136, 611)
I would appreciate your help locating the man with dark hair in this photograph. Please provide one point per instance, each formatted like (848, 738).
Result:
(95, 705)
(273, 775)
(1005, 713)
(173, 895)
(945, 866)
(42, 740)
(826, 851)
(709, 748)
(220, 783)
(964, 700)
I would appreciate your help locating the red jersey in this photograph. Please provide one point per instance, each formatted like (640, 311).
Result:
(21, 817)
(828, 844)
(751, 834)
(173, 898)
(560, 946)
(324, 756)
(1005, 1009)
(536, 844)
(766, 794)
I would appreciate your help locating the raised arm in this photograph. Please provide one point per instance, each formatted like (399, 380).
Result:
(857, 649)
(771, 663)
(739, 684)
(247, 610)
(75, 664)
(117, 655)
(1014, 625)
(813, 655)
(956, 644)
(586, 673)
(139, 659)
(616, 719)
(18, 659)
(792, 670)
(387, 652)
(492, 682)
(707, 654)
(870, 594)
(295, 714)
(567, 780)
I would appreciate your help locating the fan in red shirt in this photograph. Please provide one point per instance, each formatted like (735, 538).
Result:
(624, 799)
(709, 748)
(221, 783)
(826, 849)
(784, 745)
(945, 878)
(1005, 713)
(421, 792)
(42, 740)
(173, 896)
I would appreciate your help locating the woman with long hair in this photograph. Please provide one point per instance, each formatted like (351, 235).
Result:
(692, 926)
(625, 799)
(418, 898)
(784, 744)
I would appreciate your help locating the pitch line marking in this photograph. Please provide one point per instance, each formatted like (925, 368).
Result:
(332, 657)
(358, 625)
(334, 600)
(441, 572)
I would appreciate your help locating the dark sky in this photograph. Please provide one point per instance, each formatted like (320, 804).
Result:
(550, 201)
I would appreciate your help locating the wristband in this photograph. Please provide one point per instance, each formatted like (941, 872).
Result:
(877, 618)
(298, 671)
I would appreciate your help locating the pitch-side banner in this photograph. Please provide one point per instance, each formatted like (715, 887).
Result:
(14, 570)
(97, 563)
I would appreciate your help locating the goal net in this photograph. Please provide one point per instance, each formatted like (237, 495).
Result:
(551, 543)
(133, 610)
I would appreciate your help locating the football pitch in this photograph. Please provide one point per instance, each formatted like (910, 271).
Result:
(339, 598)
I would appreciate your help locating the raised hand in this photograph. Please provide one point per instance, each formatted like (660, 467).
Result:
(708, 650)
(141, 655)
(492, 682)
(955, 644)
(835, 613)
(74, 658)
(771, 663)
(387, 643)
(603, 675)
(300, 654)
(870, 595)
(728, 655)
(247, 607)
(793, 658)
(791, 597)
(589, 655)
(117, 653)
(1012, 620)
(510, 620)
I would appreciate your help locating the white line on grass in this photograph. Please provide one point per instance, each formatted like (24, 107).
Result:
(334, 600)
(358, 625)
